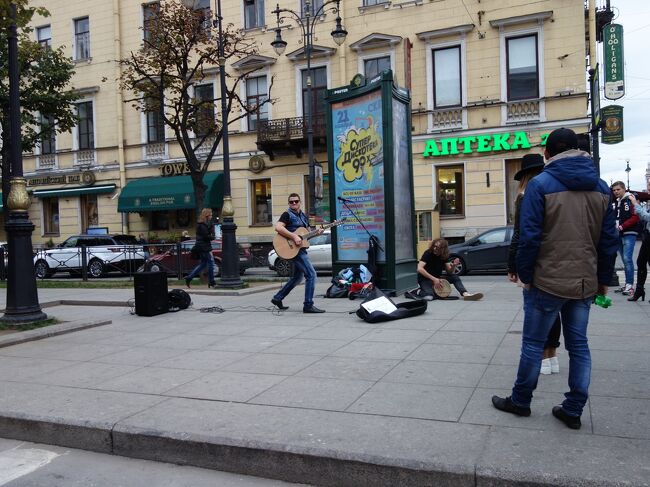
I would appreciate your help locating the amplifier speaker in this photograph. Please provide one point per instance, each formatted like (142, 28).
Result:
(150, 293)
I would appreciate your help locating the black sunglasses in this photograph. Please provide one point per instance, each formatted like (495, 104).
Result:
(292, 202)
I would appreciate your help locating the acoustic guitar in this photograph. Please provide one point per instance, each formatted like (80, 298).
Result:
(287, 248)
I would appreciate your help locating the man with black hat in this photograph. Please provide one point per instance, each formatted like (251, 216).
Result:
(566, 253)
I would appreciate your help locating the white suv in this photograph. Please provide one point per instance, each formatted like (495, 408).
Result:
(104, 253)
(320, 255)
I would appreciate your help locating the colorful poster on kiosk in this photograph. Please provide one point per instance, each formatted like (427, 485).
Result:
(358, 162)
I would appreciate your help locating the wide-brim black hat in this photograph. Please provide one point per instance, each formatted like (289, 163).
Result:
(529, 162)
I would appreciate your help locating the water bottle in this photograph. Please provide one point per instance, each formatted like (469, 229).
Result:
(602, 301)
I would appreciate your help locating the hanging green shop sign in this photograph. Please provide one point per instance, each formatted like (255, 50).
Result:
(613, 54)
(612, 124)
(479, 143)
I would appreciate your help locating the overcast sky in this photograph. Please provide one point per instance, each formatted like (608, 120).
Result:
(634, 16)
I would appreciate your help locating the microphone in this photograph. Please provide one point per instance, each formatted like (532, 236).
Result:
(344, 200)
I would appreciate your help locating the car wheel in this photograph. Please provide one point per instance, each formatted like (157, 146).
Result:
(284, 268)
(42, 270)
(96, 268)
(460, 269)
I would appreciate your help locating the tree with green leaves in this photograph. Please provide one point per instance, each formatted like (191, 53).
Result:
(180, 51)
(45, 92)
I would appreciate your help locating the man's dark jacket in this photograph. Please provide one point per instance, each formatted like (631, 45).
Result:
(568, 238)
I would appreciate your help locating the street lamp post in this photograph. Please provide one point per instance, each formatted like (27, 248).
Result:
(627, 170)
(307, 22)
(230, 255)
(22, 295)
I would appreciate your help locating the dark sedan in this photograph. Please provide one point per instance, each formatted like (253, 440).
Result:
(487, 251)
(167, 260)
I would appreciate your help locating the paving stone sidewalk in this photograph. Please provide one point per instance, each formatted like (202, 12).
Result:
(329, 399)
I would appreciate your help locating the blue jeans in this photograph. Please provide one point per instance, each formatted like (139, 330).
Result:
(207, 260)
(541, 310)
(626, 249)
(301, 267)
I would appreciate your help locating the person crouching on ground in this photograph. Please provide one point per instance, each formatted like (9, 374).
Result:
(433, 261)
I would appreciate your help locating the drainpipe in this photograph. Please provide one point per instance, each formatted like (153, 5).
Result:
(593, 53)
(119, 105)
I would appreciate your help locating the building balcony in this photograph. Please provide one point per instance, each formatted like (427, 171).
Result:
(46, 161)
(447, 119)
(155, 151)
(85, 157)
(523, 111)
(289, 135)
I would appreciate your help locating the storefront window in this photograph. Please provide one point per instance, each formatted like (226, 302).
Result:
(89, 213)
(50, 216)
(450, 183)
(159, 220)
(262, 209)
(322, 205)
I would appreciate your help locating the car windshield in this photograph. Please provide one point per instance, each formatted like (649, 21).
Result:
(495, 236)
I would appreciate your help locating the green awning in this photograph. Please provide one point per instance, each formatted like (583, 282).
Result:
(74, 191)
(169, 193)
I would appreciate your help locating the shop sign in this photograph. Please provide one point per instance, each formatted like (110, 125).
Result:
(85, 178)
(175, 169)
(479, 143)
(612, 124)
(614, 67)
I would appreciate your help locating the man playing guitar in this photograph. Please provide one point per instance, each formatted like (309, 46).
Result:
(289, 222)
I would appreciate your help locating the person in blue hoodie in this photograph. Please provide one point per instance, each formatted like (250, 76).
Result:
(566, 254)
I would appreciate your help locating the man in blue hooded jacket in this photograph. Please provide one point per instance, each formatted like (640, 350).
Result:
(566, 254)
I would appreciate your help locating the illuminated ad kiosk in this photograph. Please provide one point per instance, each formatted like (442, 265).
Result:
(371, 178)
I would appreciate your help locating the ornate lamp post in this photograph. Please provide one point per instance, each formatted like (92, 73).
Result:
(230, 255)
(307, 22)
(627, 170)
(22, 296)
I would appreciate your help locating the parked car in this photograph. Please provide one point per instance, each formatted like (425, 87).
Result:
(167, 259)
(320, 255)
(487, 251)
(104, 254)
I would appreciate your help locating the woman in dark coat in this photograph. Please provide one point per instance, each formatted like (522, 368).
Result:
(204, 247)
(531, 166)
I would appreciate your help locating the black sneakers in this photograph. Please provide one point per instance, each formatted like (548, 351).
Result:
(572, 422)
(278, 303)
(312, 309)
(506, 404)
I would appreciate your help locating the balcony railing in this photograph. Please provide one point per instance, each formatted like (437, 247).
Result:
(155, 150)
(523, 111)
(289, 135)
(85, 157)
(448, 119)
(46, 161)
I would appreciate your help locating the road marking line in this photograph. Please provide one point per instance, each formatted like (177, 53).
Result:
(17, 462)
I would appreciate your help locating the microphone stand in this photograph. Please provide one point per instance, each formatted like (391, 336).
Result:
(345, 203)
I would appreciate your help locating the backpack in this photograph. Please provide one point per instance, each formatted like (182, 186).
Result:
(178, 300)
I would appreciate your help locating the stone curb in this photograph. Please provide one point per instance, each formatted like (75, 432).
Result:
(49, 331)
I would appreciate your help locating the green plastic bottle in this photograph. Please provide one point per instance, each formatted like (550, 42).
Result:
(602, 301)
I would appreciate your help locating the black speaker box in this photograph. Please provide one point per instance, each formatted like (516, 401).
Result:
(150, 293)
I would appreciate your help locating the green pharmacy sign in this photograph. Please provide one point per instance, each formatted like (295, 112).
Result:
(479, 143)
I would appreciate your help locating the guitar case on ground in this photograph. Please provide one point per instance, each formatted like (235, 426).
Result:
(404, 310)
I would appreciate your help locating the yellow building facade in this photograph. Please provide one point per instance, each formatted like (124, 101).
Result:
(488, 81)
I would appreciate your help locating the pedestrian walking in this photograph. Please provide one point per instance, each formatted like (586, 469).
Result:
(566, 253)
(203, 246)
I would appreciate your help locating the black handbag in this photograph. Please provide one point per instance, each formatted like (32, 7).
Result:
(195, 253)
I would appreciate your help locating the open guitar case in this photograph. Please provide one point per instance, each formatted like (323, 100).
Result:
(404, 310)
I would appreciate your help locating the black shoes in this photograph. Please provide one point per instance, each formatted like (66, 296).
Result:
(278, 304)
(312, 309)
(572, 422)
(187, 282)
(506, 405)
